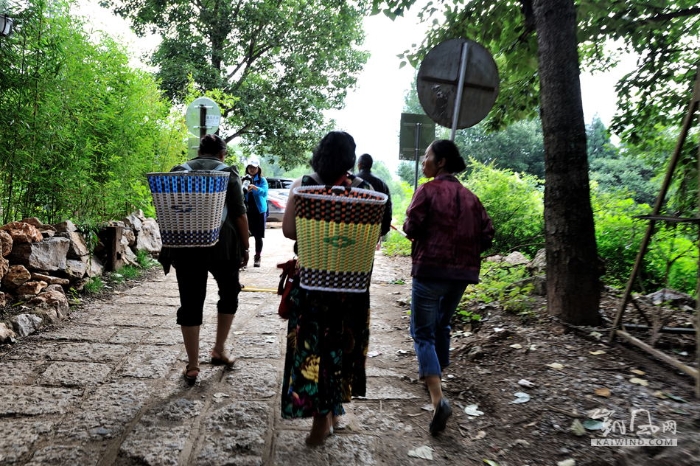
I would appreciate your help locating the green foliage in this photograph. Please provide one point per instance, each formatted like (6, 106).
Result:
(94, 285)
(144, 259)
(85, 128)
(501, 284)
(281, 62)
(518, 147)
(662, 36)
(671, 258)
(514, 203)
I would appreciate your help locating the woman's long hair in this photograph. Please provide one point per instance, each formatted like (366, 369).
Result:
(334, 156)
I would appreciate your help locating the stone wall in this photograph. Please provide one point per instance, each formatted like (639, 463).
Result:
(39, 263)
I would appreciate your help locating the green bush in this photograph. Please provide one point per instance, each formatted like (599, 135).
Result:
(514, 201)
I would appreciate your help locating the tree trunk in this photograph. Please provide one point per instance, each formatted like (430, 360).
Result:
(573, 287)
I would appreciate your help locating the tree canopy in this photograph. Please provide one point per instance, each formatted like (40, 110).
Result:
(276, 65)
(664, 36)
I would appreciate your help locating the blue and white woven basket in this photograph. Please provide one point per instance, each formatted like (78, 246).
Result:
(189, 206)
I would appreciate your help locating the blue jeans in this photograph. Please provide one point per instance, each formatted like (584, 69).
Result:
(433, 303)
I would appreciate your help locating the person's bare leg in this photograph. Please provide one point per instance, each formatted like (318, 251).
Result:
(435, 388)
(320, 430)
(190, 335)
(223, 327)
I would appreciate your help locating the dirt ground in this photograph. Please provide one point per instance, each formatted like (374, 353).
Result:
(532, 385)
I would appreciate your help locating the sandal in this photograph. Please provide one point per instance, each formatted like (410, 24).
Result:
(222, 360)
(191, 374)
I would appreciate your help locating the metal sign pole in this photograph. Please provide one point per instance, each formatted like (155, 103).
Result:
(417, 147)
(460, 89)
(202, 121)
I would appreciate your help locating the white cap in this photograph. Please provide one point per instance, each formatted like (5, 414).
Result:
(253, 161)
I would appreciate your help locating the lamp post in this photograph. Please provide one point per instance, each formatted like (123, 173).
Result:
(5, 25)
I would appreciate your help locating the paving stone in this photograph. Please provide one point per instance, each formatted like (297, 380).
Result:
(25, 433)
(390, 417)
(81, 333)
(251, 380)
(125, 320)
(234, 430)
(34, 401)
(150, 362)
(63, 455)
(72, 374)
(20, 372)
(92, 352)
(127, 335)
(144, 300)
(338, 450)
(257, 346)
(106, 412)
(160, 436)
(387, 389)
(138, 310)
(164, 336)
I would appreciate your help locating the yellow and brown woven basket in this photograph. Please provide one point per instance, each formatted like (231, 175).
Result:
(337, 232)
(189, 206)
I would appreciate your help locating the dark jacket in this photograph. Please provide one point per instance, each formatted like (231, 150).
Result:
(450, 229)
(382, 187)
(228, 247)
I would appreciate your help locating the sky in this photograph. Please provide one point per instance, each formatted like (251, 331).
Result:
(373, 108)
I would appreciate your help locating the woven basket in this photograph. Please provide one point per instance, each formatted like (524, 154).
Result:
(337, 232)
(189, 206)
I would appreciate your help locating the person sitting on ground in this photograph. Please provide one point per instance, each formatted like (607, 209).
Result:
(224, 259)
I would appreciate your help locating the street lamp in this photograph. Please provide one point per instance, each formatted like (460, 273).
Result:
(5, 25)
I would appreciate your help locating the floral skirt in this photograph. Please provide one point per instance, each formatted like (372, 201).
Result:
(327, 341)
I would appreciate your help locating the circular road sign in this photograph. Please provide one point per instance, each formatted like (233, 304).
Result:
(193, 115)
(438, 83)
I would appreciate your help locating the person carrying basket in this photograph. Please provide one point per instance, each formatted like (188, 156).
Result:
(328, 331)
(223, 259)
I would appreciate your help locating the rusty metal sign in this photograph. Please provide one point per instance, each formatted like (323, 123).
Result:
(445, 67)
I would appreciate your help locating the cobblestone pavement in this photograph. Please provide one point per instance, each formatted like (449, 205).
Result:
(105, 386)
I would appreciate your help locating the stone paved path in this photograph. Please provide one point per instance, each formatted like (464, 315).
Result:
(105, 386)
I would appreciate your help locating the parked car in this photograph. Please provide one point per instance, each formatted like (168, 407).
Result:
(277, 195)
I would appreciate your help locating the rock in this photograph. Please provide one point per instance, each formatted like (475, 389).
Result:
(671, 298)
(48, 255)
(22, 232)
(78, 248)
(75, 268)
(95, 267)
(6, 334)
(516, 258)
(26, 324)
(15, 276)
(50, 279)
(538, 265)
(3, 299)
(148, 238)
(5, 243)
(134, 221)
(31, 287)
(65, 227)
(475, 353)
(4, 267)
